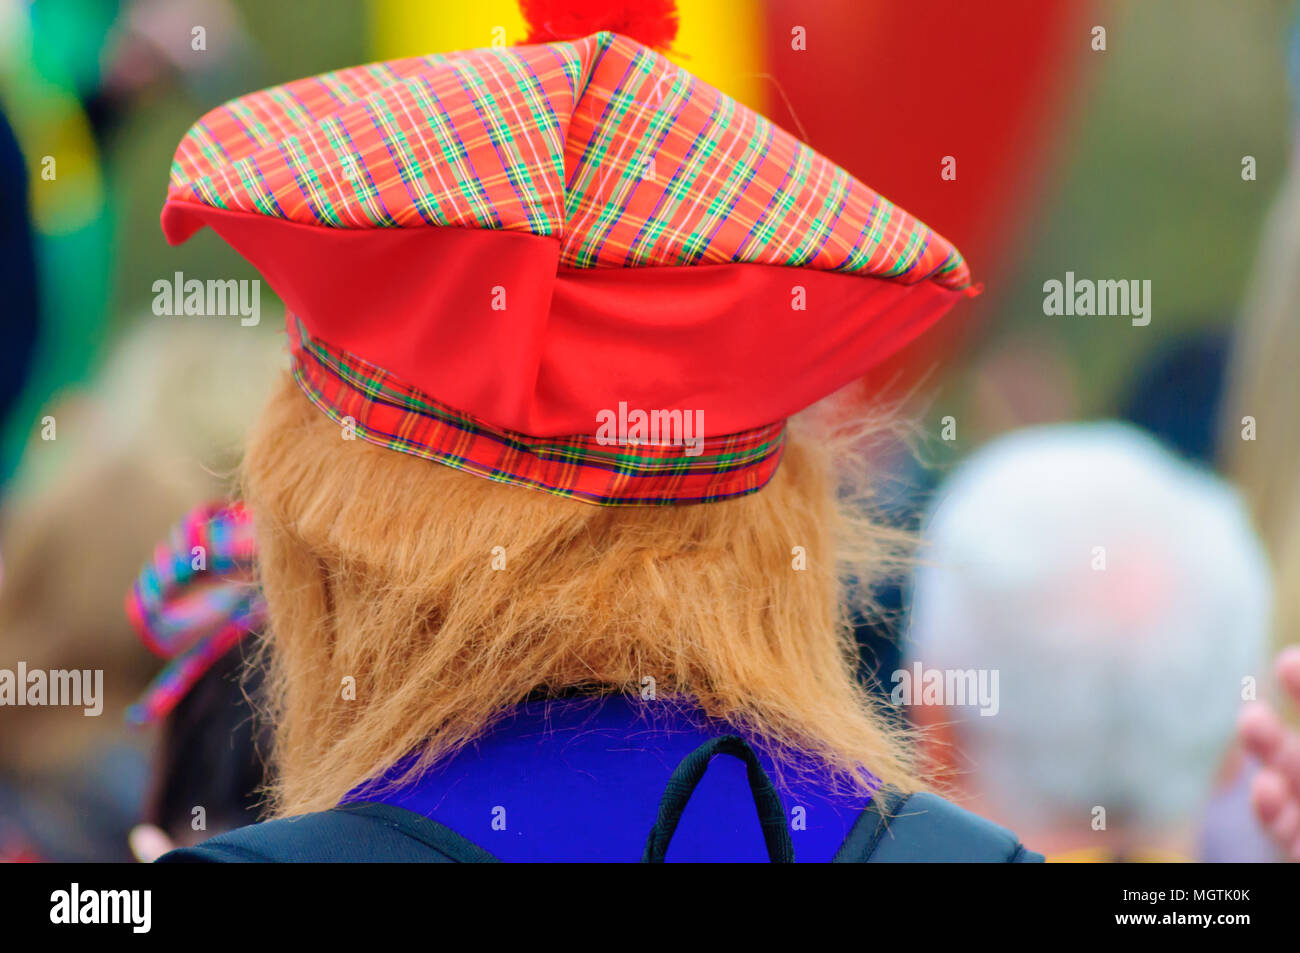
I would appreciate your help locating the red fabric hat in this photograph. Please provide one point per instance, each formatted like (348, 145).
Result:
(570, 266)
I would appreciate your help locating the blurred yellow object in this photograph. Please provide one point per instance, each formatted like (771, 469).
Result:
(67, 188)
(1104, 855)
(414, 27)
(720, 41)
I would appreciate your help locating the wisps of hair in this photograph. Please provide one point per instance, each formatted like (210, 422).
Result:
(379, 571)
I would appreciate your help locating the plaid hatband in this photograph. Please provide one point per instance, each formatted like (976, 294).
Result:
(381, 409)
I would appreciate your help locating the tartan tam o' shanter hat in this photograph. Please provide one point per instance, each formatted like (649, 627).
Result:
(569, 265)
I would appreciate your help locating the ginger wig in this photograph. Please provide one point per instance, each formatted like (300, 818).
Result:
(412, 604)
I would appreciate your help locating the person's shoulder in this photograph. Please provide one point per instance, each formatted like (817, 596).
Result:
(895, 828)
(925, 828)
(351, 833)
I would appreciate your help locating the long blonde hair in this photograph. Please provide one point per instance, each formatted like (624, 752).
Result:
(445, 599)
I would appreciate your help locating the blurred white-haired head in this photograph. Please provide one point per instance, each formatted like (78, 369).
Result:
(1122, 598)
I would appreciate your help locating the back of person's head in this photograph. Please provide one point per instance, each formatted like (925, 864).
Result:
(439, 599)
(1121, 597)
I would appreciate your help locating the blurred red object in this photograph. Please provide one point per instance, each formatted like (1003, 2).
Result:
(888, 90)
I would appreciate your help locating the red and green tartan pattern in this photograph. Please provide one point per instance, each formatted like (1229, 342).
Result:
(622, 156)
(386, 411)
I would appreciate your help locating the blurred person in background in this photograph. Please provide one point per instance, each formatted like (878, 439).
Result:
(70, 73)
(1259, 433)
(207, 773)
(1260, 445)
(158, 431)
(1275, 787)
(197, 605)
(17, 272)
(1118, 601)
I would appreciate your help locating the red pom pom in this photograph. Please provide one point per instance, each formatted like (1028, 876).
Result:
(652, 23)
